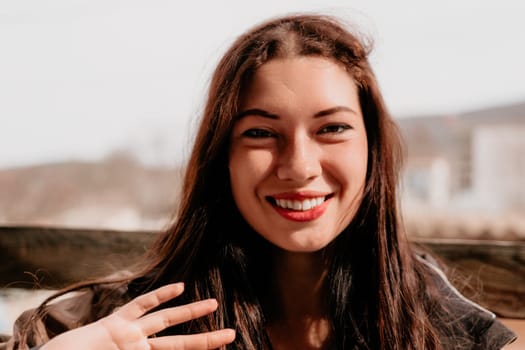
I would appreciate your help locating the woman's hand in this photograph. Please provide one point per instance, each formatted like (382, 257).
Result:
(128, 328)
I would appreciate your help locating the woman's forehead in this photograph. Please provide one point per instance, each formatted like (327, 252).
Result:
(310, 79)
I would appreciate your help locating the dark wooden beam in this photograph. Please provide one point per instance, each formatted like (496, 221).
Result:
(47, 257)
(490, 272)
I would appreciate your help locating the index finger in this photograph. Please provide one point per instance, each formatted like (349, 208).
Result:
(146, 302)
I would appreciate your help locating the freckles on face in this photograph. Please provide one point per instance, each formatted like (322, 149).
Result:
(298, 152)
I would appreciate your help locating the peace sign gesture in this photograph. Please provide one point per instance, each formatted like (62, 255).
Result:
(128, 328)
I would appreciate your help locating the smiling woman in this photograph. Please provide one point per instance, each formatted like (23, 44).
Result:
(287, 235)
(298, 153)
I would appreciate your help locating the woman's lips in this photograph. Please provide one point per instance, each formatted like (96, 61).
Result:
(300, 206)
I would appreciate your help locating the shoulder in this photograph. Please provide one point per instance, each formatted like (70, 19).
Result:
(464, 324)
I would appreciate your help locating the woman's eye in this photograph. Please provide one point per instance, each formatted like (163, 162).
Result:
(258, 133)
(334, 129)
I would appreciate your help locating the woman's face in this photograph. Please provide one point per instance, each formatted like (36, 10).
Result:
(298, 152)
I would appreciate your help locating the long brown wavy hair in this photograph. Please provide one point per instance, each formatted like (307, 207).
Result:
(376, 291)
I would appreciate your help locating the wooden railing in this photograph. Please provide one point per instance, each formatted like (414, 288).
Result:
(490, 272)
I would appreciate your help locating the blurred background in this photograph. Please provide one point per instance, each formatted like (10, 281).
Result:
(99, 101)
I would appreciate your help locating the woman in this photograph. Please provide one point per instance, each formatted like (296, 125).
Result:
(288, 224)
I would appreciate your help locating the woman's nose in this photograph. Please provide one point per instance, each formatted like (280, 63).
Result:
(299, 160)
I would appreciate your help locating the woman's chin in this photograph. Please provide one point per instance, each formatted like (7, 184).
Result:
(302, 246)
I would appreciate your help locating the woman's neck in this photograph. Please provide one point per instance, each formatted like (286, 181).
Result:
(298, 313)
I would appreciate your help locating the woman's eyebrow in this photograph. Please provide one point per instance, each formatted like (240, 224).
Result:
(333, 110)
(257, 112)
(265, 114)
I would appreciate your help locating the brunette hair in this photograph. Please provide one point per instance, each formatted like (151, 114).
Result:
(375, 288)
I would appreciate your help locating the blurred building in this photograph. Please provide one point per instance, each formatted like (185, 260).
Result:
(473, 162)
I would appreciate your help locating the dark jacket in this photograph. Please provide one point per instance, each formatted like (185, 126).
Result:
(472, 326)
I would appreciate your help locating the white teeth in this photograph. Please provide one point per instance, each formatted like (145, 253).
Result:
(307, 205)
(303, 205)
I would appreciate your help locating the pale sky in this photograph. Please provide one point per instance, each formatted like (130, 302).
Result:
(79, 79)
